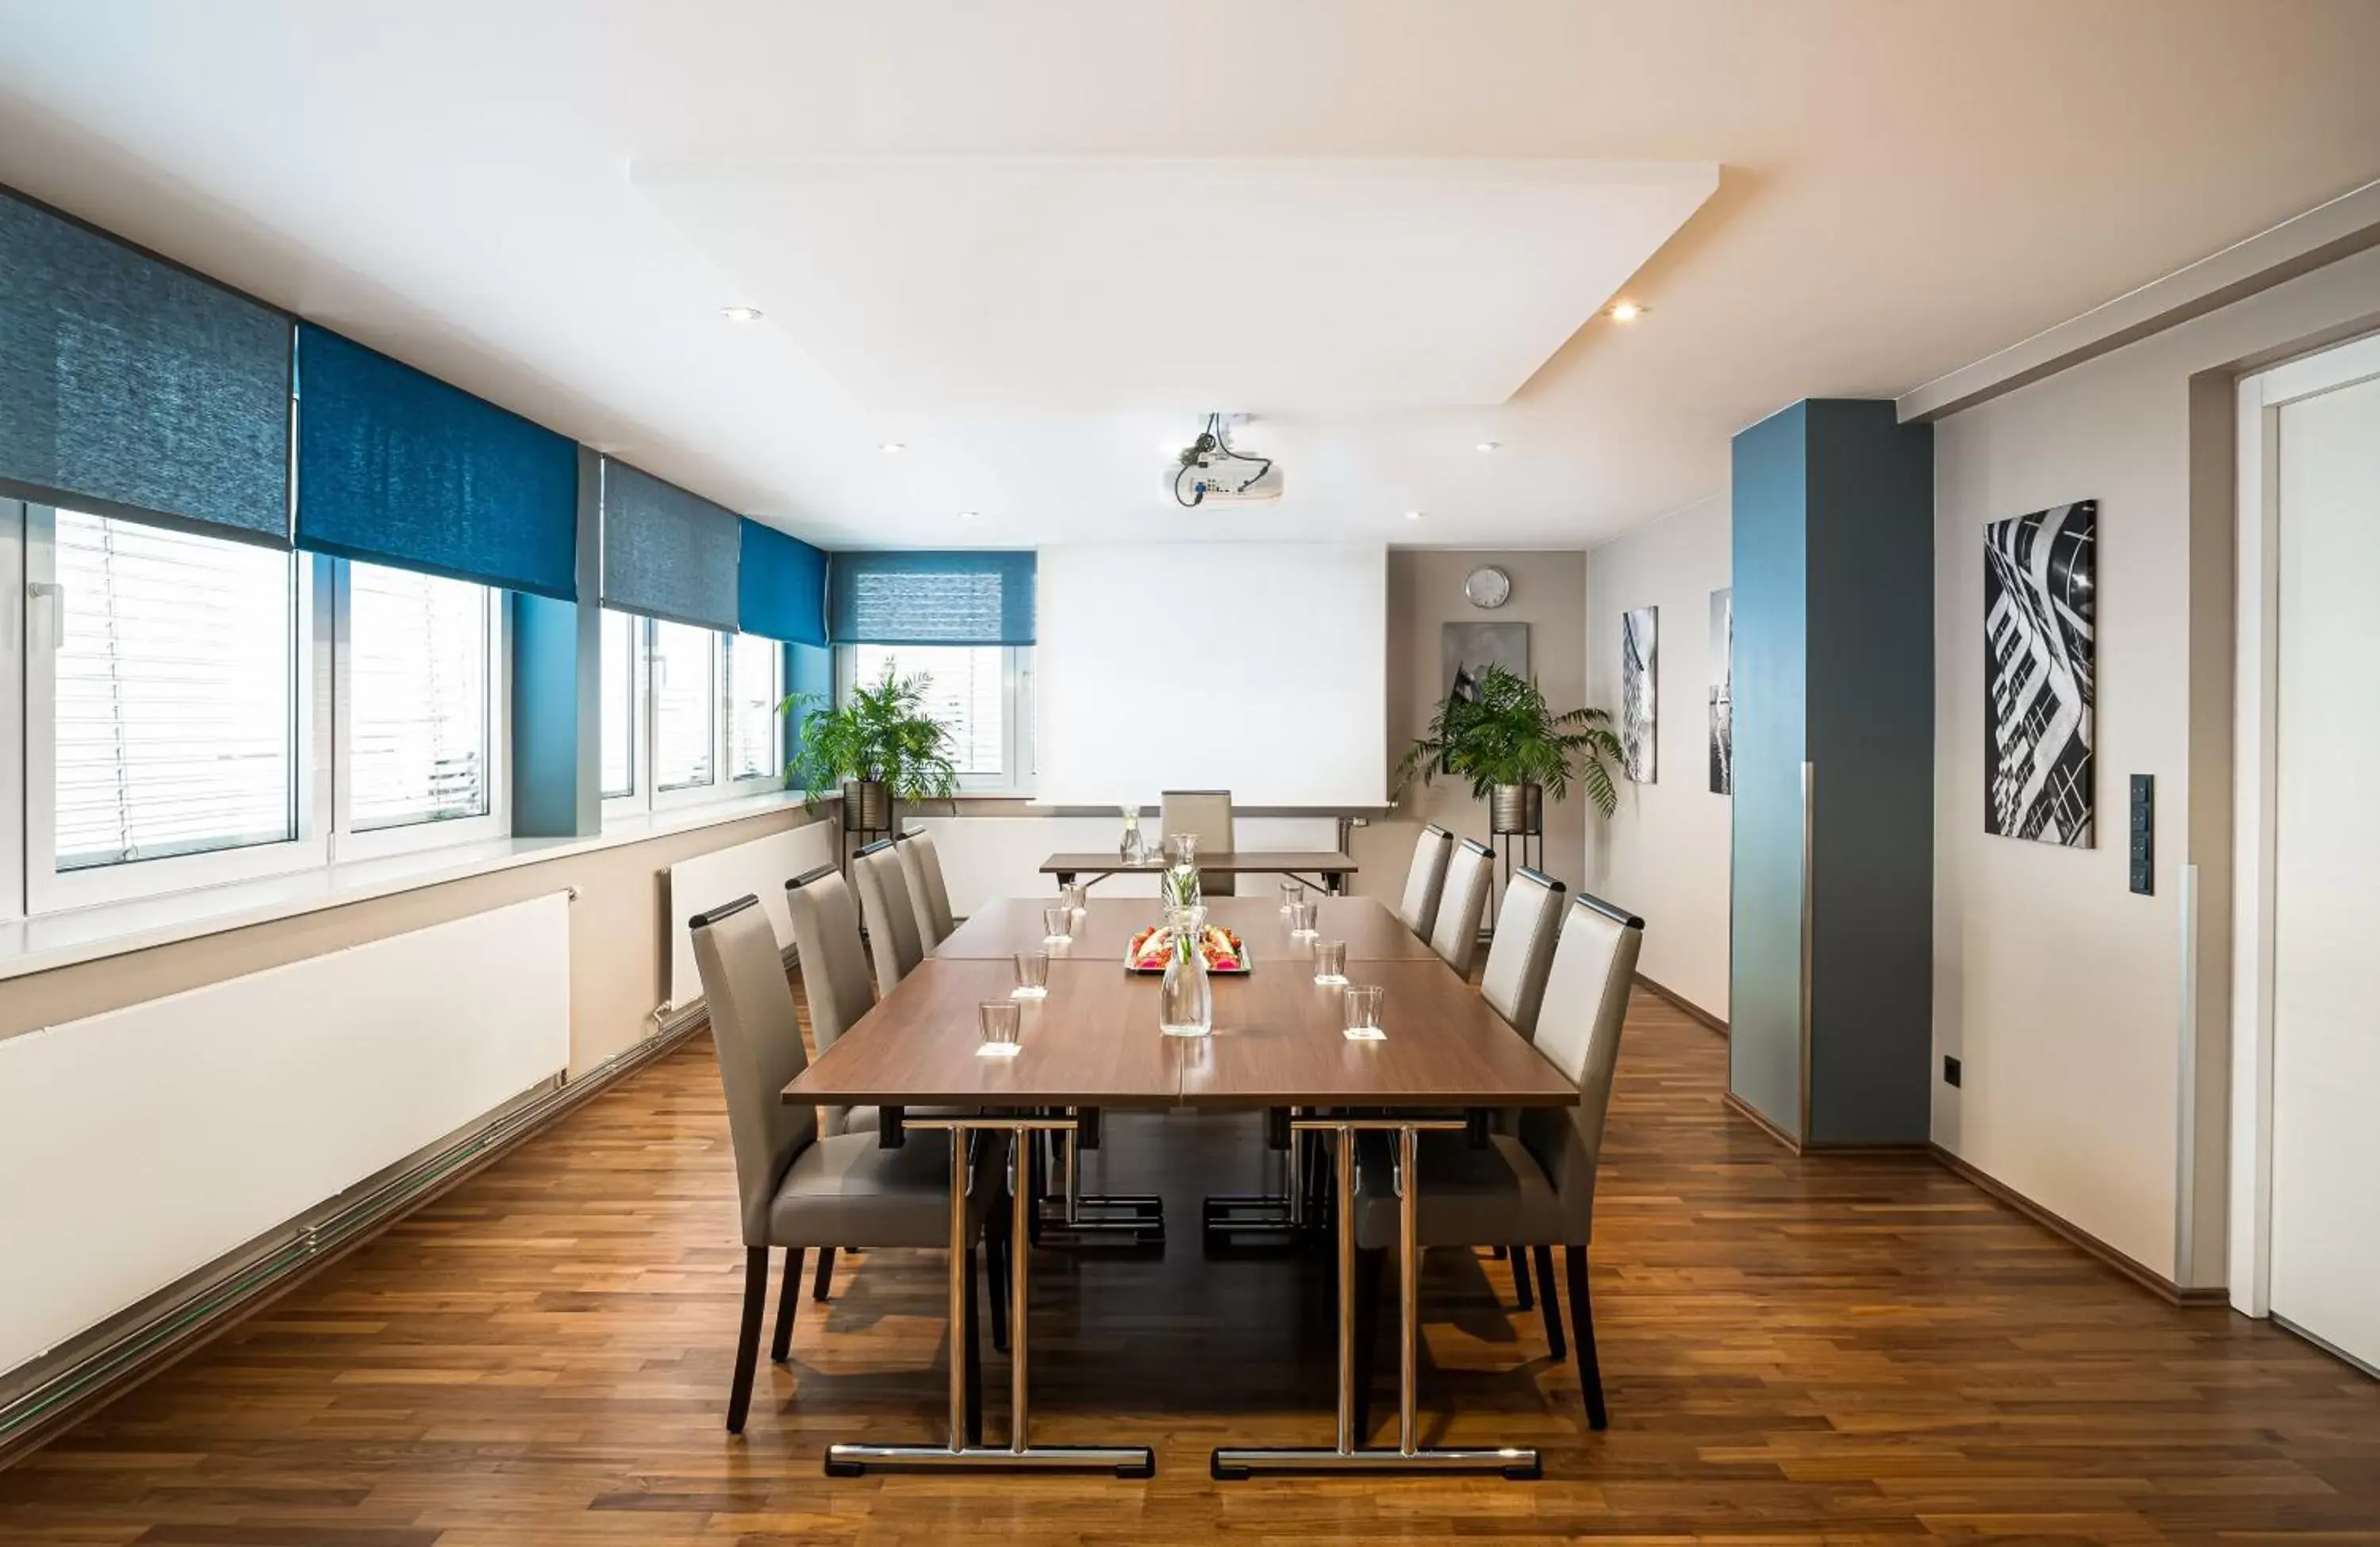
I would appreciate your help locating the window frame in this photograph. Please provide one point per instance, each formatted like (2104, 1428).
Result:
(1017, 773)
(348, 842)
(47, 889)
(639, 797)
(647, 797)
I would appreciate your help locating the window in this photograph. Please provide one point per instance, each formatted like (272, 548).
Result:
(686, 706)
(417, 708)
(621, 702)
(753, 663)
(980, 694)
(173, 682)
(700, 722)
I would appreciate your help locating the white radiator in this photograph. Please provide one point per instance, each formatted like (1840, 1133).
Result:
(761, 866)
(140, 1145)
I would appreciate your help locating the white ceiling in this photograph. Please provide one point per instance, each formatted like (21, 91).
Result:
(1322, 289)
(1904, 187)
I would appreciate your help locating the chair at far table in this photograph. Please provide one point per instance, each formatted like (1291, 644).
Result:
(1535, 1187)
(800, 1188)
(1206, 814)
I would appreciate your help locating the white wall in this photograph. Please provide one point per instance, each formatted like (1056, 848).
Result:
(1664, 852)
(2062, 993)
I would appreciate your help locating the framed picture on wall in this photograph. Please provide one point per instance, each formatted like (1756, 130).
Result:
(2040, 675)
(1639, 662)
(1722, 691)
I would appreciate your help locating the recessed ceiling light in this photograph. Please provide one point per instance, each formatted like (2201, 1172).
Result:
(740, 314)
(967, 515)
(1626, 311)
(1412, 515)
(1490, 445)
(889, 447)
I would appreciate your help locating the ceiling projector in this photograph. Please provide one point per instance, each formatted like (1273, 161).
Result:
(1208, 472)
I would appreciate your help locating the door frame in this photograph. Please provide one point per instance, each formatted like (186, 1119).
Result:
(2256, 681)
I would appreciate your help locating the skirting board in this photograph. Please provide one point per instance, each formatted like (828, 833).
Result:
(152, 1336)
(2147, 1278)
(1745, 1110)
(1692, 1010)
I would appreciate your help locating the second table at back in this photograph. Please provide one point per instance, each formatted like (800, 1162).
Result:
(1001, 928)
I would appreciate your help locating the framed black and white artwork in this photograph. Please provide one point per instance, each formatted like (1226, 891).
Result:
(2040, 665)
(1639, 663)
(1722, 691)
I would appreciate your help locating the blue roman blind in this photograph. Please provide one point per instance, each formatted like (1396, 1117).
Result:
(931, 598)
(395, 467)
(782, 586)
(130, 387)
(668, 554)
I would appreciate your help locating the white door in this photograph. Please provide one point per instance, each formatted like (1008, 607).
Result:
(2325, 1126)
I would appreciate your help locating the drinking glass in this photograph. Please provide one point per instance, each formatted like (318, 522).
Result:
(1077, 895)
(1032, 975)
(1301, 921)
(1181, 848)
(1330, 962)
(997, 1021)
(1292, 894)
(1058, 925)
(1362, 1006)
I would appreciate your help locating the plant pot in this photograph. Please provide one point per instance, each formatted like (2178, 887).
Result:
(1516, 808)
(866, 804)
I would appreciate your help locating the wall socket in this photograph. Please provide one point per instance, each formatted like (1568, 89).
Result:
(1949, 1069)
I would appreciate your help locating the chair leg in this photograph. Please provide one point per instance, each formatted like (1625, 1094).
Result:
(825, 1279)
(1519, 1258)
(789, 1294)
(1582, 1329)
(1547, 1301)
(1371, 1262)
(972, 1334)
(747, 1336)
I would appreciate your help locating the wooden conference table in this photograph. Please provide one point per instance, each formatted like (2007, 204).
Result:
(1322, 869)
(1278, 1047)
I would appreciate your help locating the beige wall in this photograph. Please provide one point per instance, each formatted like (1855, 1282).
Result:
(1425, 594)
(618, 955)
(1664, 854)
(2061, 992)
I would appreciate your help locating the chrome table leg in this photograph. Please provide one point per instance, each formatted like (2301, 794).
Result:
(1075, 1218)
(1020, 1454)
(1232, 1462)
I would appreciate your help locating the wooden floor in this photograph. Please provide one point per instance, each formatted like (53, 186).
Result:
(1848, 1349)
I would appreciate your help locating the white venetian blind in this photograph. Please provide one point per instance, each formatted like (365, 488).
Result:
(685, 702)
(751, 706)
(174, 725)
(966, 694)
(416, 707)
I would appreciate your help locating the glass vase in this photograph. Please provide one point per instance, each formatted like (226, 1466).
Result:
(1185, 1000)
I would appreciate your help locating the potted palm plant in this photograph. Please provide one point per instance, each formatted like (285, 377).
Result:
(882, 747)
(1514, 750)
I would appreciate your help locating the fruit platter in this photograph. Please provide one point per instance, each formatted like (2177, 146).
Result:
(1153, 948)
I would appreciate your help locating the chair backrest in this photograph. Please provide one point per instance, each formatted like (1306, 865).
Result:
(884, 901)
(760, 1046)
(1208, 814)
(1578, 1031)
(1521, 952)
(921, 867)
(834, 963)
(1454, 934)
(1426, 879)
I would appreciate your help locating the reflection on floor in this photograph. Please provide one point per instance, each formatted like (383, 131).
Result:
(1867, 1347)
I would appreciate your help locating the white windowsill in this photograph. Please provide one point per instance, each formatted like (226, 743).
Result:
(113, 929)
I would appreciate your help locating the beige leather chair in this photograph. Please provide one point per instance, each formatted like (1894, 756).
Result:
(835, 973)
(1522, 952)
(1206, 813)
(892, 917)
(1426, 879)
(921, 867)
(1454, 934)
(800, 1188)
(1535, 1186)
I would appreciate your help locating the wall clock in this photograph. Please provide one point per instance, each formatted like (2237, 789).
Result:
(1487, 586)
